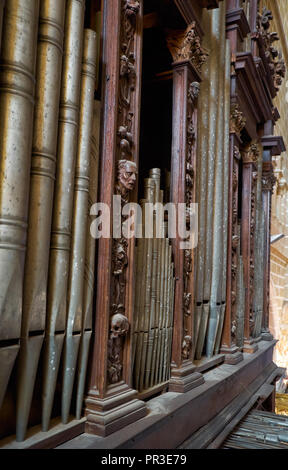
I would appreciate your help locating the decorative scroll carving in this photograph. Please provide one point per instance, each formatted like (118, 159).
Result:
(125, 183)
(186, 46)
(237, 121)
(272, 55)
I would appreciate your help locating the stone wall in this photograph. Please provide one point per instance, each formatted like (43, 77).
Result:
(279, 249)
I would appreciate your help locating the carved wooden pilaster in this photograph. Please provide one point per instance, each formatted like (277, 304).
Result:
(110, 380)
(229, 348)
(250, 159)
(268, 182)
(188, 56)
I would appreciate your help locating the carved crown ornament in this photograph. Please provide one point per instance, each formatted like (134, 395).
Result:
(273, 56)
(186, 46)
(237, 120)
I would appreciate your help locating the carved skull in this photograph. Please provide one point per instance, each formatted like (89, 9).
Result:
(186, 347)
(119, 326)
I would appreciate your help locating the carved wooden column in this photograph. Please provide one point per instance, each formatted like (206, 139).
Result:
(249, 179)
(111, 402)
(268, 181)
(272, 146)
(229, 348)
(188, 57)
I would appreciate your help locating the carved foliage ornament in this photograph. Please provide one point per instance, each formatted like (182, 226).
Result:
(186, 46)
(193, 93)
(272, 55)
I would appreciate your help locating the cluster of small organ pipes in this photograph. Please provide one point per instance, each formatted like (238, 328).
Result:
(154, 299)
(45, 305)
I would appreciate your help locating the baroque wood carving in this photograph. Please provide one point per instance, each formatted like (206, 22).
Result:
(273, 56)
(268, 181)
(193, 93)
(186, 46)
(125, 183)
(237, 121)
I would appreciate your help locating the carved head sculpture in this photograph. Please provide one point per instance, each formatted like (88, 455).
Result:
(127, 174)
(194, 90)
(119, 326)
(186, 347)
(132, 7)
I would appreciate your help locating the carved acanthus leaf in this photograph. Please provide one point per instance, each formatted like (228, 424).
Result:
(252, 154)
(268, 181)
(186, 46)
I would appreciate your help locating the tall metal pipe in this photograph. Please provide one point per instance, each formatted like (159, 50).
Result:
(63, 201)
(17, 81)
(43, 166)
(2, 3)
(202, 151)
(89, 277)
(79, 223)
(210, 175)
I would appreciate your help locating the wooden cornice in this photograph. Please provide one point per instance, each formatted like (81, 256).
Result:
(273, 143)
(249, 80)
(190, 11)
(236, 19)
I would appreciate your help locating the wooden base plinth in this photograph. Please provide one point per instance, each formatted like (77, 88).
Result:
(185, 378)
(250, 346)
(108, 415)
(232, 355)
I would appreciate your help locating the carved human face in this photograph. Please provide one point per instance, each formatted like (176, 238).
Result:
(127, 174)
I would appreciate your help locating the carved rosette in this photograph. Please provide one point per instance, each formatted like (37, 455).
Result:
(273, 56)
(186, 46)
(237, 121)
(125, 183)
